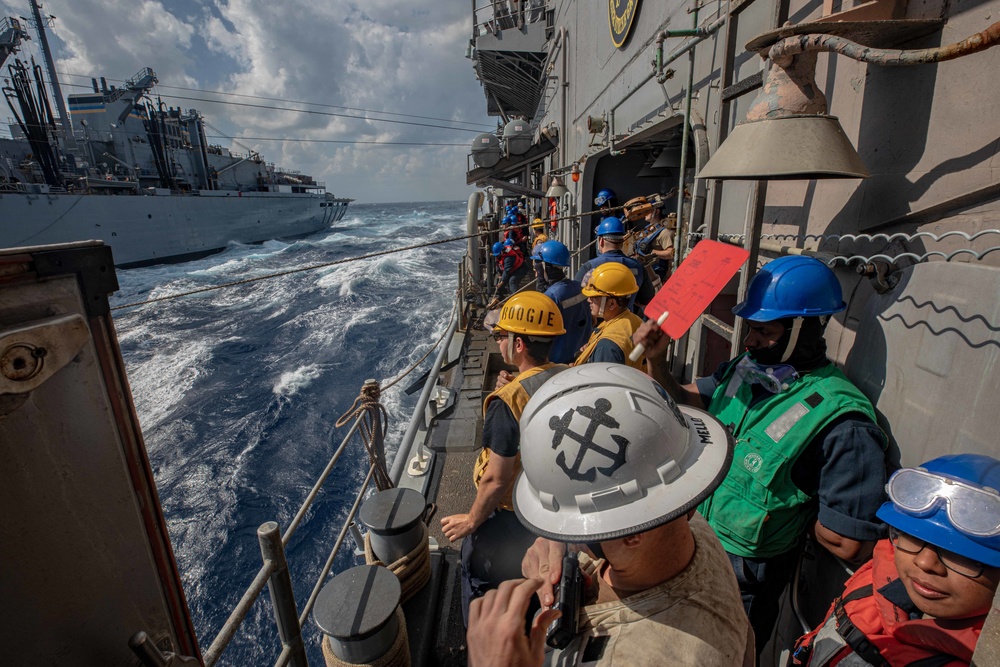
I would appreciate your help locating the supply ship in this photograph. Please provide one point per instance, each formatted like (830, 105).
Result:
(121, 167)
(880, 160)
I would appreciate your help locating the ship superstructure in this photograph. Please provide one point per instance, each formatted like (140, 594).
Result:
(858, 133)
(122, 167)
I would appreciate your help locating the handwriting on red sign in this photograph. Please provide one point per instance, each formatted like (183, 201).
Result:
(694, 285)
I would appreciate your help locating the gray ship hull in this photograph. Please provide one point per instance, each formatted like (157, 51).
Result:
(161, 228)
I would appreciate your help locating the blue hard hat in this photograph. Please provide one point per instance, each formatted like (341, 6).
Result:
(508, 242)
(935, 524)
(552, 252)
(497, 248)
(610, 226)
(603, 197)
(791, 286)
(508, 219)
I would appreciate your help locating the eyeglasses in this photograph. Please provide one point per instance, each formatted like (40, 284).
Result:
(499, 336)
(958, 563)
(971, 509)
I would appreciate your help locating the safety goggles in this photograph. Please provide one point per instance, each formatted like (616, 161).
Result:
(971, 509)
(499, 335)
(967, 567)
(772, 378)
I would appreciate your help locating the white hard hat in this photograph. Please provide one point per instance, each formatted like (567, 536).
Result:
(607, 453)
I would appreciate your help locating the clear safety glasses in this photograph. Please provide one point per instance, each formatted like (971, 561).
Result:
(972, 510)
(963, 565)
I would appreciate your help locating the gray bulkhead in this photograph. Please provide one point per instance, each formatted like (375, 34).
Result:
(921, 334)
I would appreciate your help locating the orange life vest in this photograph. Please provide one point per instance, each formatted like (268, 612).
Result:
(864, 623)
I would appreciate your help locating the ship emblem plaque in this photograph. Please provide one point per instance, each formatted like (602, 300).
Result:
(621, 13)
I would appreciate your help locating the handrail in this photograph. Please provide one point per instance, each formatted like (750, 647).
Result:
(319, 482)
(336, 547)
(236, 618)
(403, 451)
(504, 17)
(238, 615)
(274, 572)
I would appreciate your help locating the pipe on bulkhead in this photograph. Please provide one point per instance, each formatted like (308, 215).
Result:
(783, 52)
(685, 138)
(472, 227)
(700, 35)
(563, 85)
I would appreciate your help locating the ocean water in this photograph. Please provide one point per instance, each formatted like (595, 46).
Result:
(238, 390)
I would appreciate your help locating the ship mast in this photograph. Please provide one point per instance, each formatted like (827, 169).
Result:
(50, 68)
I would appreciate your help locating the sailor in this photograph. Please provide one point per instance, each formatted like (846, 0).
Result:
(553, 258)
(658, 242)
(809, 456)
(611, 462)
(538, 232)
(924, 596)
(610, 237)
(513, 267)
(608, 290)
(495, 541)
(605, 201)
(539, 237)
(516, 232)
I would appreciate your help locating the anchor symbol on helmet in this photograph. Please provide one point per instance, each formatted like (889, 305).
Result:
(598, 416)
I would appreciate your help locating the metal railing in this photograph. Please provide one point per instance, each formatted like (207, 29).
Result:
(274, 571)
(274, 574)
(498, 15)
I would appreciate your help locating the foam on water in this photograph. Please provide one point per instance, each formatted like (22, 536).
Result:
(291, 382)
(238, 391)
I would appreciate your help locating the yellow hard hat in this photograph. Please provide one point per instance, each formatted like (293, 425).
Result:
(537, 223)
(531, 313)
(611, 279)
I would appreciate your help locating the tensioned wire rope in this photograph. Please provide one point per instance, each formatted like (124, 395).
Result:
(311, 267)
(282, 99)
(347, 260)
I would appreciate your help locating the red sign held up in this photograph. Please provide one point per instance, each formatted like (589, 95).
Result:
(693, 286)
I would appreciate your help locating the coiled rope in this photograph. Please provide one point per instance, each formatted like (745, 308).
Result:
(398, 654)
(413, 569)
(374, 422)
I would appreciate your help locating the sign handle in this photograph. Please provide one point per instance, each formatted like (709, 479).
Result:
(640, 348)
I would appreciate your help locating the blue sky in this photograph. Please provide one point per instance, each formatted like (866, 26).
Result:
(399, 56)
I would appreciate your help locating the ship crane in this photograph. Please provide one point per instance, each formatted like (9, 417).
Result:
(11, 36)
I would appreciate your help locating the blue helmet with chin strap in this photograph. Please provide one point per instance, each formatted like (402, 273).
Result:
(610, 226)
(604, 197)
(497, 248)
(552, 252)
(791, 286)
(951, 502)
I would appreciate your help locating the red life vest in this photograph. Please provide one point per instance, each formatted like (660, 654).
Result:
(864, 623)
(518, 257)
(519, 235)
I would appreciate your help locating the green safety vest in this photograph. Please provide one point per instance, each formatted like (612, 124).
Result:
(758, 512)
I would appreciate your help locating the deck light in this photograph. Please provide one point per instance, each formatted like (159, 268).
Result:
(787, 133)
(557, 189)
